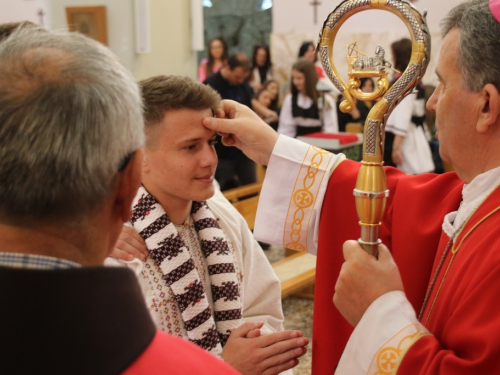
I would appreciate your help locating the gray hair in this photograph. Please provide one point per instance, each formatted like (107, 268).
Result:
(479, 57)
(70, 113)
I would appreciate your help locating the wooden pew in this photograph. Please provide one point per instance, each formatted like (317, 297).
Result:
(245, 199)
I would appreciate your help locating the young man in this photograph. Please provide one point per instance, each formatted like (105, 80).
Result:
(205, 274)
(71, 127)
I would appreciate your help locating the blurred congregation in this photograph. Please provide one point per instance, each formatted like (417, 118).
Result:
(250, 52)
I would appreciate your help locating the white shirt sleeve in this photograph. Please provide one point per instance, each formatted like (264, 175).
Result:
(387, 316)
(331, 123)
(283, 193)
(400, 119)
(261, 291)
(286, 125)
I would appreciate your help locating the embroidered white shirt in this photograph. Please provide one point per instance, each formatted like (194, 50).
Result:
(260, 288)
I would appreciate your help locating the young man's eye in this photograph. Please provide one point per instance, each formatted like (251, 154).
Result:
(190, 147)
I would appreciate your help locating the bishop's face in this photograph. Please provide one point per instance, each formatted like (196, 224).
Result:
(180, 161)
(456, 109)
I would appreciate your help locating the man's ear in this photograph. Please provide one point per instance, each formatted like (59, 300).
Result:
(489, 109)
(128, 181)
(146, 168)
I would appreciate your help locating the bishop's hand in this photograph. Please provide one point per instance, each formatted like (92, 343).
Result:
(241, 127)
(363, 279)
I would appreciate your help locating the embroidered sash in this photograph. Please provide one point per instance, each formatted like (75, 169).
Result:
(167, 249)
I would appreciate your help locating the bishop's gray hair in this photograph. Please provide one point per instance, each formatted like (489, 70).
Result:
(70, 113)
(479, 57)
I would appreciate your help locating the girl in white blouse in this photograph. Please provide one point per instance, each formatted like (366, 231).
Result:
(305, 110)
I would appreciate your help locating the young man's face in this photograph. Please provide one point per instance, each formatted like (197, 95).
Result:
(180, 158)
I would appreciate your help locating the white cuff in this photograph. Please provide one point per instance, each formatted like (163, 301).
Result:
(384, 319)
(293, 191)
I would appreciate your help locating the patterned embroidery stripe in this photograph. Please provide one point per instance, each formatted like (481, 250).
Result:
(197, 205)
(227, 315)
(155, 227)
(219, 245)
(142, 207)
(195, 292)
(205, 223)
(216, 269)
(198, 319)
(209, 341)
(229, 291)
(179, 272)
(168, 249)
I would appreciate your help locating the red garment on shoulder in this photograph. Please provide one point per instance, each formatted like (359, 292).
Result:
(411, 229)
(171, 355)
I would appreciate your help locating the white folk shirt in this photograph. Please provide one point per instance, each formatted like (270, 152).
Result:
(288, 124)
(259, 286)
(389, 316)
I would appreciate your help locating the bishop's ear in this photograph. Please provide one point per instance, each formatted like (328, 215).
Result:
(490, 108)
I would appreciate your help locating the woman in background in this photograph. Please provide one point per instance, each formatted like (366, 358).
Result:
(360, 111)
(217, 56)
(304, 110)
(273, 87)
(406, 146)
(308, 51)
(265, 97)
(261, 67)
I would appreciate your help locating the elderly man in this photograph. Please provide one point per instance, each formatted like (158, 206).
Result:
(442, 230)
(206, 279)
(70, 128)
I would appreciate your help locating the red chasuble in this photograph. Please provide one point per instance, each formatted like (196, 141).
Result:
(411, 230)
(464, 321)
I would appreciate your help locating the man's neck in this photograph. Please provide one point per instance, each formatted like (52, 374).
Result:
(68, 244)
(177, 210)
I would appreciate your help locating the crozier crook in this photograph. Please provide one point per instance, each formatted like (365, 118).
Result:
(371, 187)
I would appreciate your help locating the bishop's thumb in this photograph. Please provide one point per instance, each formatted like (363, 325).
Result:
(220, 125)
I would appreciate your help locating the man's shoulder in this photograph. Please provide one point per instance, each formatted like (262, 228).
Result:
(218, 200)
(167, 354)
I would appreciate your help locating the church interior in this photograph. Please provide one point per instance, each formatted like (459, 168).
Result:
(158, 37)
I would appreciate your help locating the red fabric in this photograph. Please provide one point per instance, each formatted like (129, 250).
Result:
(319, 71)
(174, 356)
(465, 322)
(411, 229)
(343, 138)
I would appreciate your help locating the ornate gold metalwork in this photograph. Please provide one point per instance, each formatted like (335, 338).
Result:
(371, 186)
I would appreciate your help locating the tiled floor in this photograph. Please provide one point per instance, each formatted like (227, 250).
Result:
(298, 315)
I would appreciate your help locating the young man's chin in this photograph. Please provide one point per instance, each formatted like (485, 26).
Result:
(205, 193)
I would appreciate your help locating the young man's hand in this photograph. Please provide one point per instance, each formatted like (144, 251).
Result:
(129, 245)
(250, 353)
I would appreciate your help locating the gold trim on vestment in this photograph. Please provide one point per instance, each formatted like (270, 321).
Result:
(309, 179)
(388, 358)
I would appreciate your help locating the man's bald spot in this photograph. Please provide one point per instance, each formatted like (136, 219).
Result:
(32, 69)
